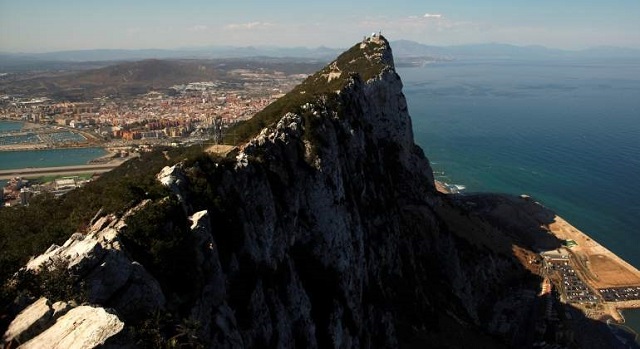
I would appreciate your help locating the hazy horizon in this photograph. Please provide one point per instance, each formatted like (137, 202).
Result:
(34, 26)
(267, 47)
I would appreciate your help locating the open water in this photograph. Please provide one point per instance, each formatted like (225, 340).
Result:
(567, 133)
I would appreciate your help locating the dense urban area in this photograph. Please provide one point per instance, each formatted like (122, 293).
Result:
(181, 111)
(187, 113)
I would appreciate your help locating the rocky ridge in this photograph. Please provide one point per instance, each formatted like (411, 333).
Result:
(111, 279)
(324, 230)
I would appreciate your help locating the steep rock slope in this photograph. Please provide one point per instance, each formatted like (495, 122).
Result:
(323, 230)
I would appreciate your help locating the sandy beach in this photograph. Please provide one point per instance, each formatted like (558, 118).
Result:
(441, 187)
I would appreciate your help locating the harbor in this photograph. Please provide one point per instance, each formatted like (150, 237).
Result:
(16, 136)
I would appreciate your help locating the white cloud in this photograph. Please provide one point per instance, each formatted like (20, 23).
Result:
(198, 28)
(432, 15)
(248, 26)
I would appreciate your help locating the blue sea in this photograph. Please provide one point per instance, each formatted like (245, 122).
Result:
(566, 133)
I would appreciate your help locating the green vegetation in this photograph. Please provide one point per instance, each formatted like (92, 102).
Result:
(160, 330)
(365, 63)
(53, 281)
(49, 179)
(26, 231)
(157, 237)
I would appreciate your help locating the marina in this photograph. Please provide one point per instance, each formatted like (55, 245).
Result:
(27, 136)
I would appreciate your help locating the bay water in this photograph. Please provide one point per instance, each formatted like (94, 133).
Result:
(6, 126)
(565, 132)
(48, 157)
(43, 158)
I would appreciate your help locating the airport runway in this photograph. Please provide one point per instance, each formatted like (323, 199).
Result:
(33, 172)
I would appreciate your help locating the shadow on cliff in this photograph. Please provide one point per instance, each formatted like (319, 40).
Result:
(515, 226)
(521, 220)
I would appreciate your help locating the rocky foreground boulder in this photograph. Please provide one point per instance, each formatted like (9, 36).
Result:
(42, 325)
(109, 277)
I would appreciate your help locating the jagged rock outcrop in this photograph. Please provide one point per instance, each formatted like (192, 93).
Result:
(110, 279)
(34, 319)
(60, 325)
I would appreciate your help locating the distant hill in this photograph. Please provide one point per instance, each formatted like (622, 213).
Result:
(135, 77)
(121, 79)
(407, 48)
(83, 74)
(15, 62)
(405, 51)
(131, 78)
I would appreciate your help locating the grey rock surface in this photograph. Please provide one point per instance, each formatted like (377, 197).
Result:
(82, 328)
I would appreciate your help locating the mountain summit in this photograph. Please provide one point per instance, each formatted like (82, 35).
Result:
(322, 230)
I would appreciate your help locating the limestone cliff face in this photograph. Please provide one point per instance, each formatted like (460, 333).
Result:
(325, 229)
(326, 234)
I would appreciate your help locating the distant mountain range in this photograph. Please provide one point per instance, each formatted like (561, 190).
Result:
(194, 53)
(405, 51)
(63, 60)
(406, 48)
(123, 79)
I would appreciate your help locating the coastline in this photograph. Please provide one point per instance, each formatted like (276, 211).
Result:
(441, 187)
(598, 266)
(39, 146)
(605, 268)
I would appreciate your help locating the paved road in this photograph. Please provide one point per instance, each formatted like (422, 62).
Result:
(60, 170)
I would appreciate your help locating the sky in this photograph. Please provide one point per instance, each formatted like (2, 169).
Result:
(54, 25)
